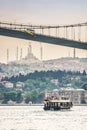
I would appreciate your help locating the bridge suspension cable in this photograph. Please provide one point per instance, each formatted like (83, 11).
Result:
(46, 33)
(42, 26)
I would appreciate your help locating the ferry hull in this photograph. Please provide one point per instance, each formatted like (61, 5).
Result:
(56, 109)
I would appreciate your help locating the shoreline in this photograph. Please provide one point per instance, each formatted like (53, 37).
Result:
(21, 104)
(35, 105)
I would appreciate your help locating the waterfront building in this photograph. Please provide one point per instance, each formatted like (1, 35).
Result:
(77, 96)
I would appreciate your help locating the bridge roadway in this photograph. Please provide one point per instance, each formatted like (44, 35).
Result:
(42, 38)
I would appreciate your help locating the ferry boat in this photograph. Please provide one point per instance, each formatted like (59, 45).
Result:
(54, 103)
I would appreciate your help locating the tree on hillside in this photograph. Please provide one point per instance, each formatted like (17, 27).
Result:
(27, 97)
(13, 95)
(34, 95)
(1, 96)
(84, 72)
(41, 96)
(84, 86)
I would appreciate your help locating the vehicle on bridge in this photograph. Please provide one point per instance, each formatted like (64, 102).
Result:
(30, 32)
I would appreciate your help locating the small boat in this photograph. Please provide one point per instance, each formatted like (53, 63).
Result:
(54, 103)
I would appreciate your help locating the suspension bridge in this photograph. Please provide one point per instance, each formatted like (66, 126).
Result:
(74, 35)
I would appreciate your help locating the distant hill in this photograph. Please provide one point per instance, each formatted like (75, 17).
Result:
(31, 63)
(68, 63)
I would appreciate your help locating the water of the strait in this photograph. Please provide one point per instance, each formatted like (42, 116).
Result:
(35, 118)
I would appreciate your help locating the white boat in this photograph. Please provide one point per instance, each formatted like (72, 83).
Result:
(54, 103)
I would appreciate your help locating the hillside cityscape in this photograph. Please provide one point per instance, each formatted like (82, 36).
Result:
(26, 79)
(31, 63)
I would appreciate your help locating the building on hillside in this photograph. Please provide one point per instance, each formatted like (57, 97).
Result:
(10, 102)
(7, 84)
(86, 97)
(19, 85)
(55, 81)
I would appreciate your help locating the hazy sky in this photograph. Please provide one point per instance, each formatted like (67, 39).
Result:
(40, 12)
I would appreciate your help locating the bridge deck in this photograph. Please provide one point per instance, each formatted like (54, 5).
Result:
(42, 38)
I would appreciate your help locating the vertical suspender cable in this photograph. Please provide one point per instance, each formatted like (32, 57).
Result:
(56, 31)
(66, 32)
(79, 32)
(49, 30)
(72, 32)
(85, 33)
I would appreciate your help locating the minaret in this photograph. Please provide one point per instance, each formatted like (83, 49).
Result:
(29, 50)
(17, 54)
(69, 54)
(21, 54)
(74, 53)
(41, 51)
(41, 56)
(7, 56)
(86, 54)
